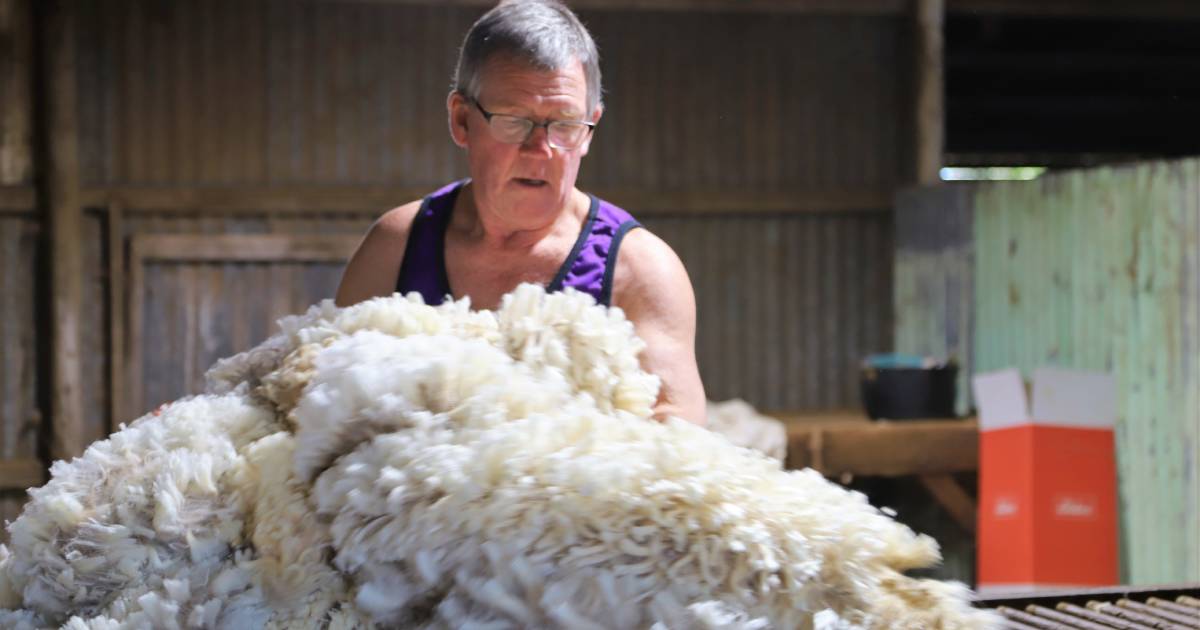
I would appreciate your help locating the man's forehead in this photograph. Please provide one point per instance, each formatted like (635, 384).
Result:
(507, 81)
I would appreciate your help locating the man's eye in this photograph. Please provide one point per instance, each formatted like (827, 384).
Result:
(511, 124)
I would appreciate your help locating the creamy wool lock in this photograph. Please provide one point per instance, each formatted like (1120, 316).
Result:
(396, 464)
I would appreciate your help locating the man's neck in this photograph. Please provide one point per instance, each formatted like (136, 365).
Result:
(490, 231)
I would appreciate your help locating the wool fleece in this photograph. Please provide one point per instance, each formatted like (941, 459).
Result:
(394, 464)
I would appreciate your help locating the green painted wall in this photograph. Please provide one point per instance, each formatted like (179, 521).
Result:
(1095, 269)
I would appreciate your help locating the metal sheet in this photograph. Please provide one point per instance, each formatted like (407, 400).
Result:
(787, 304)
(222, 92)
(1097, 270)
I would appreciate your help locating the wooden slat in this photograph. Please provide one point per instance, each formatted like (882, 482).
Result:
(378, 199)
(116, 314)
(16, 109)
(244, 247)
(951, 496)
(19, 474)
(135, 313)
(262, 248)
(845, 443)
(929, 90)
(66, 261)
(17, 199)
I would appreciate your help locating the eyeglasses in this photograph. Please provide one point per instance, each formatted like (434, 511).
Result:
(561, 134)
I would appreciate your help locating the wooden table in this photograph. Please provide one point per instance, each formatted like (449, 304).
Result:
(841, 443)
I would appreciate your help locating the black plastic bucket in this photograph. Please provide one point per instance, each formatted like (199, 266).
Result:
(909, 393)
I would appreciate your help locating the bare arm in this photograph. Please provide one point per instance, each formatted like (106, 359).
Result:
(373, 269)
(652, 287)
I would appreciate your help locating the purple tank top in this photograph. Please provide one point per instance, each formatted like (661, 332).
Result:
(588, 268)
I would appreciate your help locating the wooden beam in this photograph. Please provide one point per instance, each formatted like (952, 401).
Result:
(245, 247)
(21, 474)
(65, 217)
(951, 496)
(818, 7)
(117, 323)
(374, 200)
(16, 87)
(17, 199)
(929, 90)
(887, 449)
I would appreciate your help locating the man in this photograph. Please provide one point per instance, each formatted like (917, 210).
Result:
(525, 101)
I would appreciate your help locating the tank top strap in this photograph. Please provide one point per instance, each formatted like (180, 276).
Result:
(590, 266)
(424, 267)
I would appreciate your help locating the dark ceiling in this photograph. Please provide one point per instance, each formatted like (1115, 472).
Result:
(1070, 89)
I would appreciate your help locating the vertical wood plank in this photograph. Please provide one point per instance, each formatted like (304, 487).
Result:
(61, 192)
(16, 73)
(117, 323)
(930, 107)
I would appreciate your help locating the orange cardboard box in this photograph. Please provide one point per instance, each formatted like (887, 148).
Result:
(1047, 482)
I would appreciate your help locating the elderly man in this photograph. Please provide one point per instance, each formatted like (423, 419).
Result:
(525, 103)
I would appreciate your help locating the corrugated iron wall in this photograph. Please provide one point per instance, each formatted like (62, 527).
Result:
(1095, 269)
(788, 304)
(934, 278)
(298, 93)
(294, 92)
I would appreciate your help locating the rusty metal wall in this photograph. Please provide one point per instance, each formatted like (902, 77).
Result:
(19, 416)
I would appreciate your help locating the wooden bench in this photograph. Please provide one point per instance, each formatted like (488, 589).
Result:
(842, 443)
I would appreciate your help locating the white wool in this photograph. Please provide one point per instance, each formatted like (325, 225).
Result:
(401, 464)
(743, 425)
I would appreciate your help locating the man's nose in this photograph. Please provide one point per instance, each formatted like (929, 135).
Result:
(538, 142)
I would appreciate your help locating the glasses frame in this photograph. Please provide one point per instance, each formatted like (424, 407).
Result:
(591, 127)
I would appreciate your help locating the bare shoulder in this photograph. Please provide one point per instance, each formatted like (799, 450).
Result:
(651, 285)
(373, 269)
(649, 274)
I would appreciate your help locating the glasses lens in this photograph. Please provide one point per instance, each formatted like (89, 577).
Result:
(510, 129)
(567, 135)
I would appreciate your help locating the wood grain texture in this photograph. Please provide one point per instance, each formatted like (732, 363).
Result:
(19, 474)
(848, 443)
(17, 199)
(197, 298)
(16, 98)
(929, 89)
(65, 223)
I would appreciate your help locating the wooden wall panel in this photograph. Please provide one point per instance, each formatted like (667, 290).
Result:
(188, 293)
(19, 415)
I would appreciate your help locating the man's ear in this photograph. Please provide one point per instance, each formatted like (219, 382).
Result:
(457, 111)
(583, 150)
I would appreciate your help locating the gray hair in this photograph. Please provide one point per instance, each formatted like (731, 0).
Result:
(543, 33)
